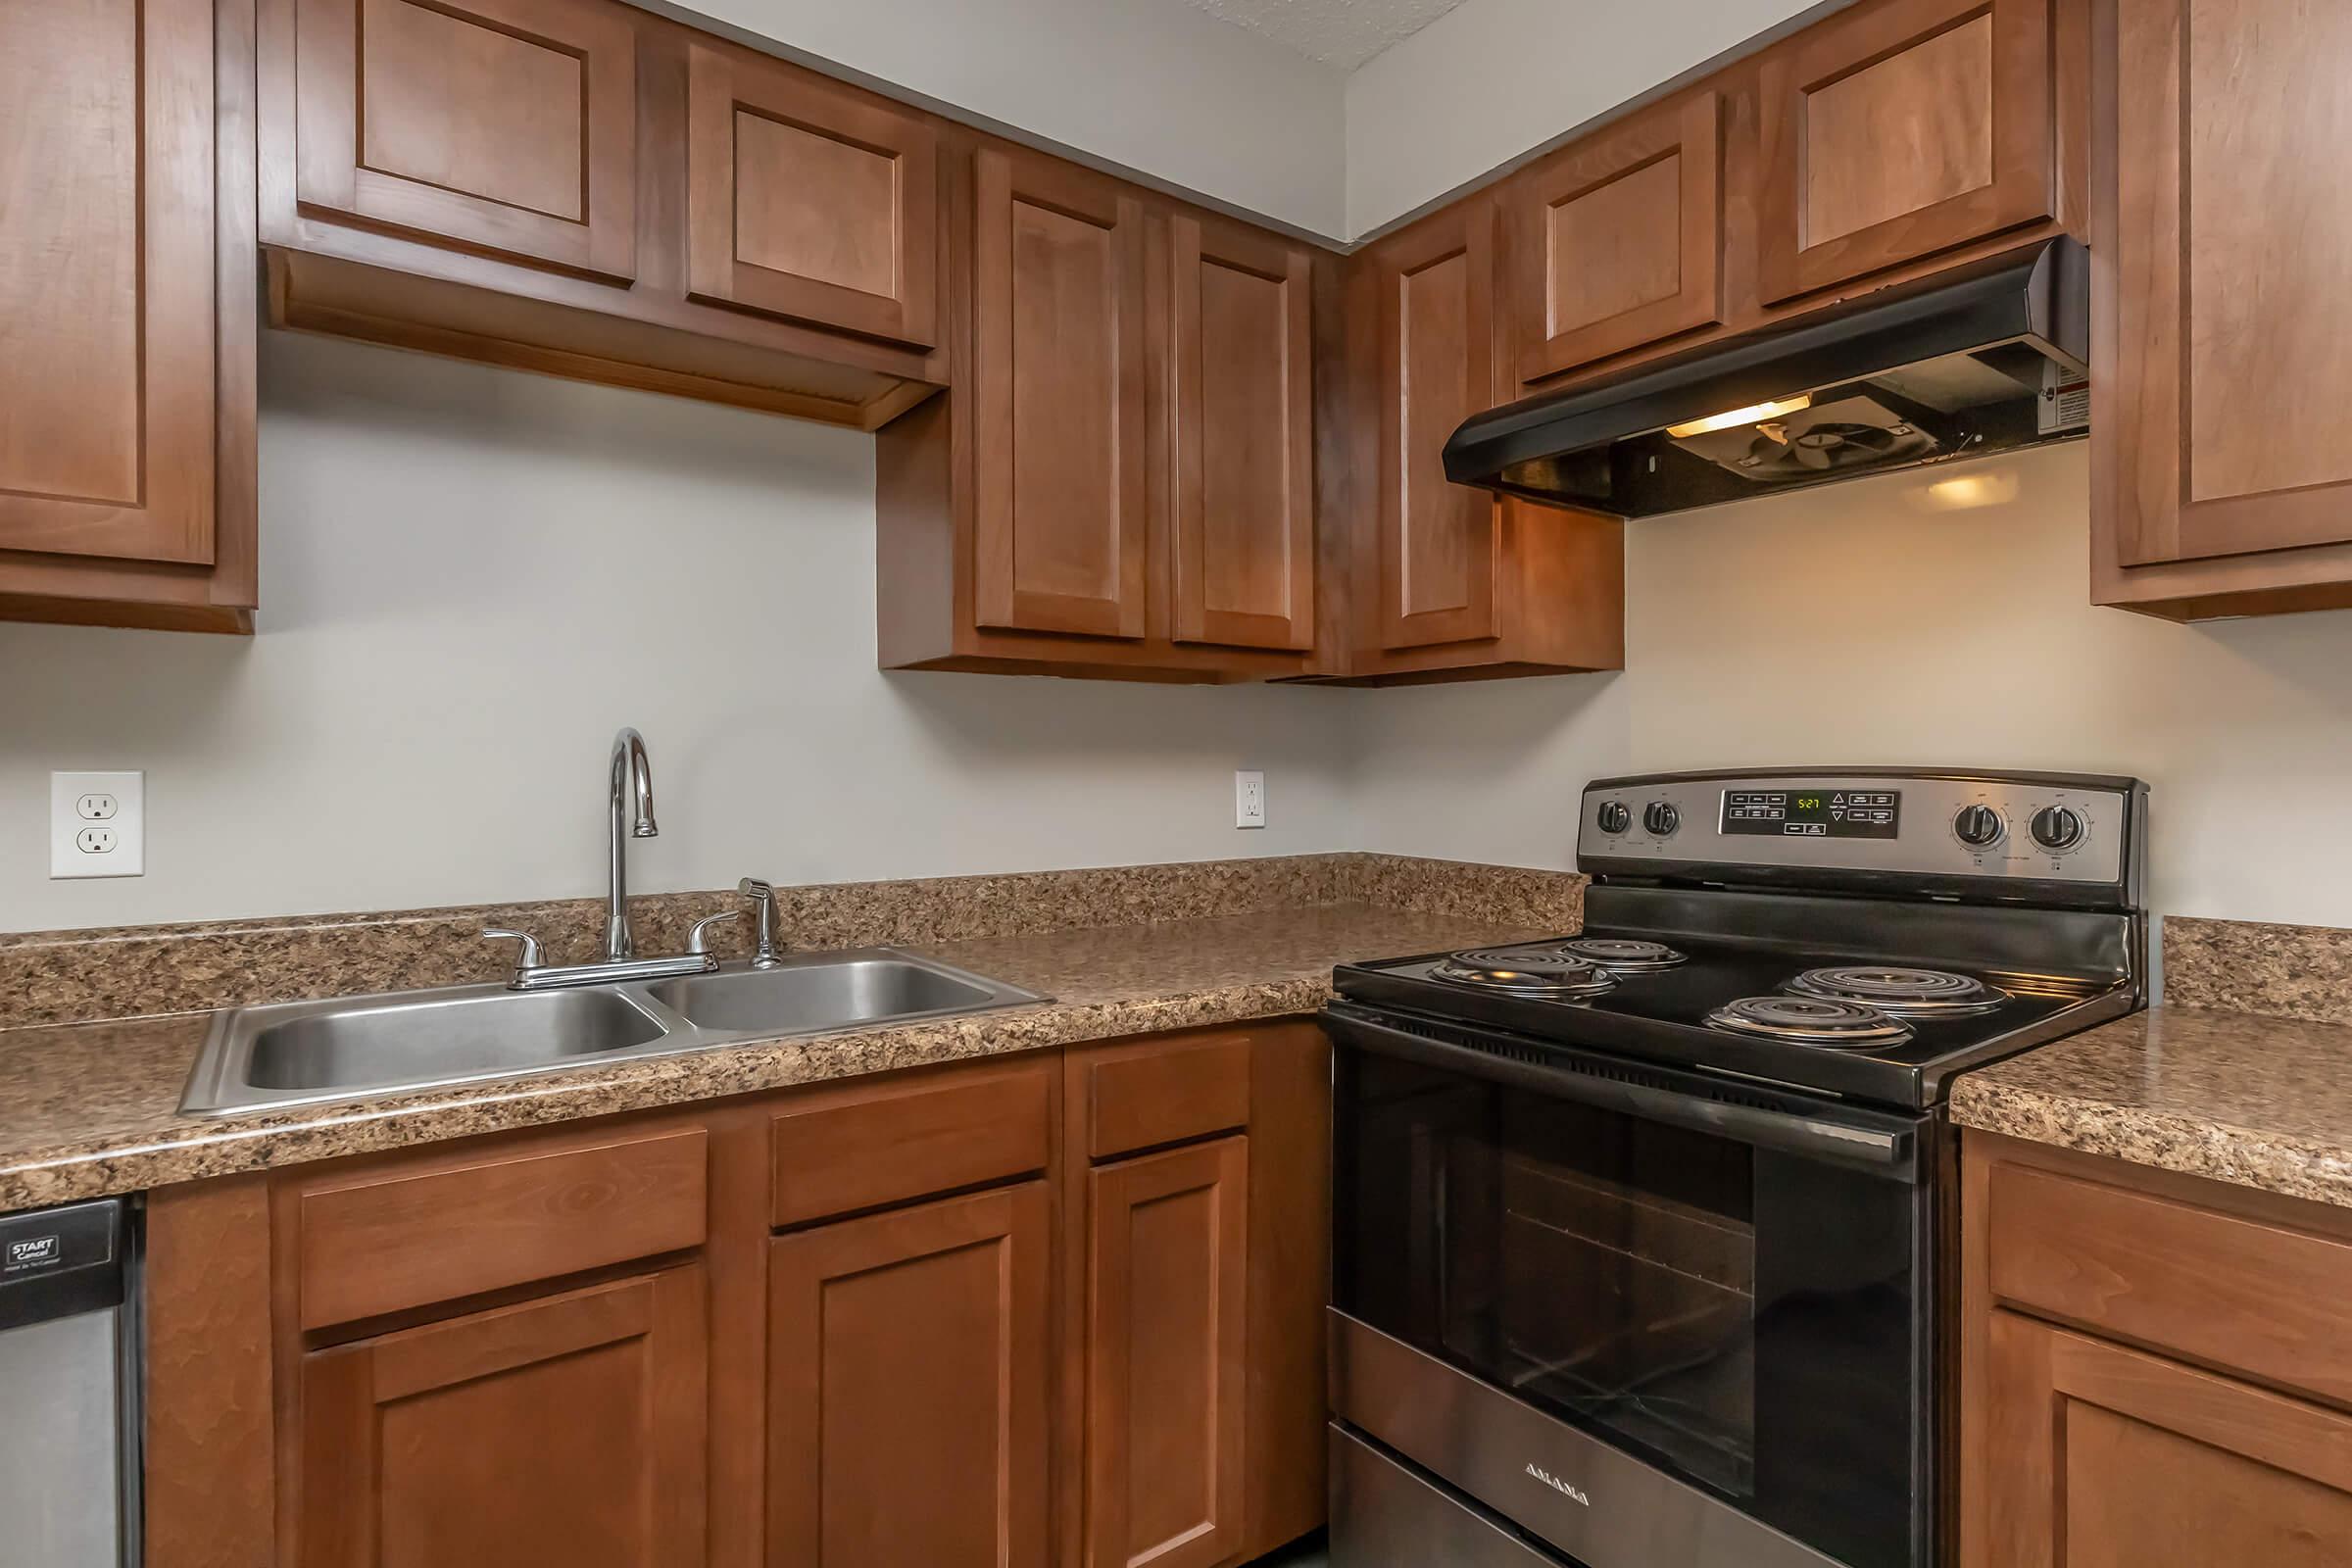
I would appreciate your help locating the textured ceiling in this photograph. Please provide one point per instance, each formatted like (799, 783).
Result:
(1339, 32)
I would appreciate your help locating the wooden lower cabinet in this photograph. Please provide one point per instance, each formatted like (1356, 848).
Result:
(2106, 1456)
(568, 1430)
(905, 1320)
(1166, 1357)
(2153, 1368)
(908, 1358)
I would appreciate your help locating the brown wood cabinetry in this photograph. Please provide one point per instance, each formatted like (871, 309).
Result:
(2153, 1367)
(1121, 484)
(126, 390)
(911, 1320)
(908, 1366)
(2220, 483)
(1900, 129)
(582, 188)
(1618, 239)
(1450, 580)
(810, 201)
(571, 1429)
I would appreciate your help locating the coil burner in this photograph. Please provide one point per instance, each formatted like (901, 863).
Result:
(1809, 1020)
(1525, 972)
(1905, 993)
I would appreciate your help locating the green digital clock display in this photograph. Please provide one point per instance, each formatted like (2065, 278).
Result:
(1838, 815)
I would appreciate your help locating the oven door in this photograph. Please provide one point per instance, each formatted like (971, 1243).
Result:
(1646, 1315)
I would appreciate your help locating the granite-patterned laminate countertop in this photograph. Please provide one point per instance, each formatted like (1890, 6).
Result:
(88, 1109)
(2252, 1099)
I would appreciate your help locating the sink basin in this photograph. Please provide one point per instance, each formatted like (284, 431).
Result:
(362, 1047)
(819, 993)
(300, 1053)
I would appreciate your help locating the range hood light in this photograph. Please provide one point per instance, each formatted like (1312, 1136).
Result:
(1751, 414)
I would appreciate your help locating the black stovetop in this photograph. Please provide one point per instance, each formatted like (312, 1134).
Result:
(1661, 1015)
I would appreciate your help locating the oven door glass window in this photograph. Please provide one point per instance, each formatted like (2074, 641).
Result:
(1742, 1317)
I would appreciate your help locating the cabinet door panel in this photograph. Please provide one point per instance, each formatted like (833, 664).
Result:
(1167, 1261)
(2232, 271)
(1440, 543)
(1245, 523)
(1899, 131)
(1619, 239)
(107, 324)
(2114, 1458)
(1061, 397)
(507, 127)
(810, 201)
(906, 1410)
(569, 1430)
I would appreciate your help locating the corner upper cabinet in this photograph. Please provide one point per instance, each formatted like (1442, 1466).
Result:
(2221, 483)
(126, 412)
(808, 201)
(1243, 537)
(1617, 240)
(1896, 131)
(502, 127)
(1452, 582)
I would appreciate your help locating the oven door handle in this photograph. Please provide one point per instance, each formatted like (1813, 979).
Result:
(1823, 1135)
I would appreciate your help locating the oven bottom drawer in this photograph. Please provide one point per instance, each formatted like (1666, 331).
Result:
(1383, 1515)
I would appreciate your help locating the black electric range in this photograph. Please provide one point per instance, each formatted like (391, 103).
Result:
(1640, 1235)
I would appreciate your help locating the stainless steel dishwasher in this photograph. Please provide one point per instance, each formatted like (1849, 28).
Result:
(70, 1383)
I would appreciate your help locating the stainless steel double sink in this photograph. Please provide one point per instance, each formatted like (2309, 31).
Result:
(303, 1053)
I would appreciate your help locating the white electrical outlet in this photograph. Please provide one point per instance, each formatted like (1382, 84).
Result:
(1249, 800)
(97, 824)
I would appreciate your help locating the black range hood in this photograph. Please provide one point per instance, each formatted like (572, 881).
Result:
(1983, 357)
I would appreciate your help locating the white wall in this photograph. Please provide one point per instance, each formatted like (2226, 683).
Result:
(1153, 85)
(1848, 626)
(1491, 79)
(470, 577)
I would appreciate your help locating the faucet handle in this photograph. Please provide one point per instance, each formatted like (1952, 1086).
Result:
(695, 947)
(529, 957)
(763, 909)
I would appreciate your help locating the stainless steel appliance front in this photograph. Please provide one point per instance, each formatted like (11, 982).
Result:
(1592, 1502)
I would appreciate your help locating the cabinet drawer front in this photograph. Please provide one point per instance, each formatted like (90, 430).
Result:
(507, 127)
(809, 200)
(2273, 1303)
(843, 1151)
(1139, 1097)
(1618, 239)
(1900, 129)
(387, 1243)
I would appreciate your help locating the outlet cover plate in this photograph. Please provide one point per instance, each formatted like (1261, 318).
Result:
(91, 807)
(1249, 799)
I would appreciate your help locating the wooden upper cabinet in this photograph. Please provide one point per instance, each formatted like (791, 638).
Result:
(1061, 395)
(108, 343)
(1618, 239)
(1896, 131)
(2219, 394)
(1439, 543)
(909, 1381)
(571, 1429)
(2109, 1456)
(809, 200)
(503, 126)
(1244, 531)
(1167, 1382)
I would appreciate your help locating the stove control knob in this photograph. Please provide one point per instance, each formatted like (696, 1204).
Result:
(1660, 818)
(1979, 826)
(2057, 828)
(1614, 817)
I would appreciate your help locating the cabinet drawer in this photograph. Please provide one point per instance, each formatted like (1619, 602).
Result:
(844, 1149)
(1139, 1096)
(386, 1243)
(2271, 1303)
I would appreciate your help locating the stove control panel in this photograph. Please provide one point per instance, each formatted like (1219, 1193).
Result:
(2030, 827)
